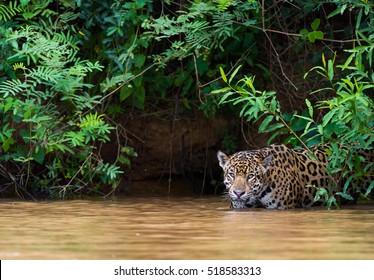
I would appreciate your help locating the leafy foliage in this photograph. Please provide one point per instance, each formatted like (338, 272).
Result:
(9, 11)
(68, 68)
(346, 104)
(49, 126)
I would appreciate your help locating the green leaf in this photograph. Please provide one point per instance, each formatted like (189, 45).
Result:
(7, 143)
(273, 105)
(38, 156)
(311, 37)
(332, 201)
(8, 104)
(139, 98)
(22, 151)
(315, 24)
(186, 103)
(305, 118)
(345, 195)
(234, 73)
(358, 20)
(348, 182)
(274, 127)
(223, 75)
(76, 139)
(327, 117)
(24, 3)
(265, 123)
(310, 107)
(339, 10)
(323, 61)
(348, 83)
(304, 33)
(138, 81)
(139, 60)
(220, 90)
(124, 160)
(330, 69)
(319, 35)
(347, 62)
(315, 35)
(370, 188)
(126, 91)
(28, 15)
(321, 192)
(225, 96)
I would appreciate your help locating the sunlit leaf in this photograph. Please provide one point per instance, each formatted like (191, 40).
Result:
(310, 107)
(223, 75)
(330, 70)
(233, 73)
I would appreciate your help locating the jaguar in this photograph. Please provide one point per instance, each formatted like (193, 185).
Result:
(275, 177)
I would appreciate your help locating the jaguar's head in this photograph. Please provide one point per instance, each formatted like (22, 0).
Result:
(243, 176)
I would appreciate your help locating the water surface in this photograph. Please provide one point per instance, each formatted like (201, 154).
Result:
(181, 228)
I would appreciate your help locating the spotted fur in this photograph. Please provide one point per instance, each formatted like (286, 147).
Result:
(275, 177)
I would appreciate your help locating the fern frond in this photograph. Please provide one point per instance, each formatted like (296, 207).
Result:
(68, 16)
(7, 12)
(19, 65)
(12, 87)
(66, 39)
(47, 74)
(39, 47)
(109, 172)
(91, 119)
(69, 85)
(83, 101)
(83, 67)
(42, 95)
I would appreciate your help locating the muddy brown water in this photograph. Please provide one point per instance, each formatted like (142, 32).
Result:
(181, 228)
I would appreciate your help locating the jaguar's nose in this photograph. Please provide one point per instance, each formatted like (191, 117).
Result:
(239, 193)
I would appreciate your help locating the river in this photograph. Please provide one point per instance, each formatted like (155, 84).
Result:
(181, 228)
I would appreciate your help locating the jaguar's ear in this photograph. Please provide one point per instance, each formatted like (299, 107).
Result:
(265, 163)
(222, 158)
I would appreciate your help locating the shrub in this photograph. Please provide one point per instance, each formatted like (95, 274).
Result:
(346, 104)
(50, 127)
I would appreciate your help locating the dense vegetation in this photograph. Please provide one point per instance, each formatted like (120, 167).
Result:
(69, 68)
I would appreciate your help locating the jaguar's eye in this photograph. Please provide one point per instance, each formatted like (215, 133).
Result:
(229, 176)
(250, 178)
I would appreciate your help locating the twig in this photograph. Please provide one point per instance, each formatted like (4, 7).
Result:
(272, 46)
(266, 30)
(197, 78)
